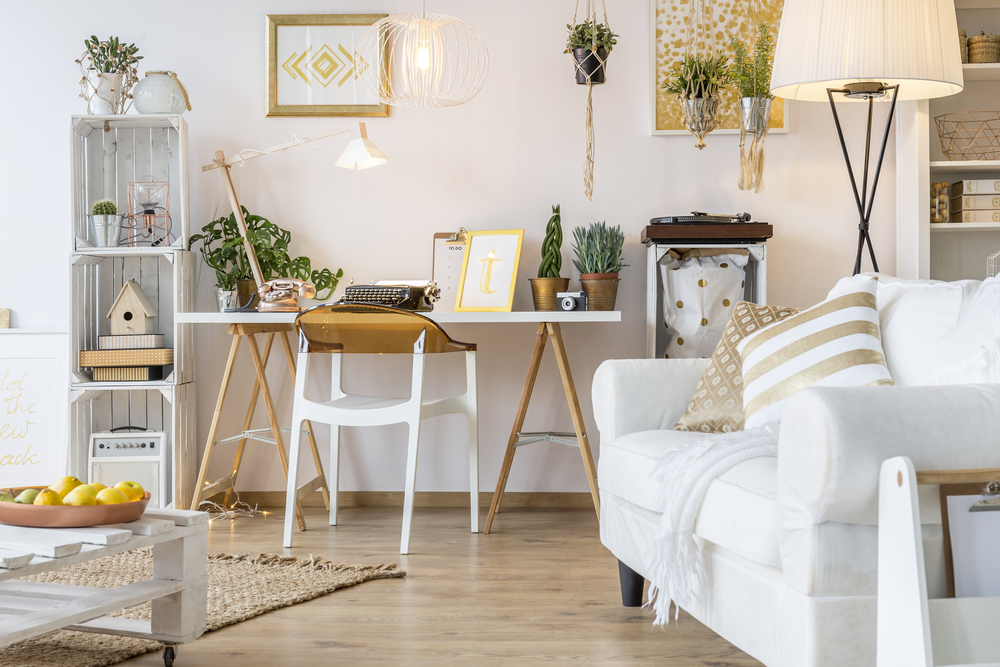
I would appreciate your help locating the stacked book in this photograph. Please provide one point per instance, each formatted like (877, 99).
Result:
(975, 201)
(128, 358)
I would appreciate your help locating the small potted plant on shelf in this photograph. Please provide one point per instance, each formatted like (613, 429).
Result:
(752, 74)
(548, 282)
(222, 249)
(109, 69)
(105, 223)
(697, 80)
(598, 251)
(590, 43)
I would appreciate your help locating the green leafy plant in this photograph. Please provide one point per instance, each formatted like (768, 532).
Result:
(598, 248)
(551, 245)
(222, 249)
(699, 76)
(110, 56)
(104, 207)
(585, 35)
(752, 74)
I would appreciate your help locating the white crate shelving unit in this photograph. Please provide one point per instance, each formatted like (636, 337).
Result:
(108, 153)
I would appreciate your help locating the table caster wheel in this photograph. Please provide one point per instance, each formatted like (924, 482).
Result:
(169, 653)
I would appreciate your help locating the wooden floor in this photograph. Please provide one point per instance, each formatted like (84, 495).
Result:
(540, 589)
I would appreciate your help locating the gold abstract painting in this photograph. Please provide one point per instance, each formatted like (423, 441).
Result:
(729, 18)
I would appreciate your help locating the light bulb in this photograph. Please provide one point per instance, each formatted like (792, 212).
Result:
(423, 58)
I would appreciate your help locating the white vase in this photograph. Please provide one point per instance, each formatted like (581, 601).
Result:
(105, 93)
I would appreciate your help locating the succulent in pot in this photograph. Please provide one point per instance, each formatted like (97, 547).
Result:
(590, 43)
(598, 250)
(105, 224)
(697, 80)
(548, 283)
(109, 70)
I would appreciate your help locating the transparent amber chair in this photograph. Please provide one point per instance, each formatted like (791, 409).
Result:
(338, 329)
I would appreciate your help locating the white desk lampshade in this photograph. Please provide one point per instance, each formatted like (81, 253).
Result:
(361, 153)
(836, 43)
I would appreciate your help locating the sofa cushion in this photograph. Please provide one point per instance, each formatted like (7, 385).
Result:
(717, 405)
(739, 510)
(917, 317)
(833, 344)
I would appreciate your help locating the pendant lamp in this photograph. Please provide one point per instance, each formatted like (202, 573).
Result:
(867, 50)
(423, 60)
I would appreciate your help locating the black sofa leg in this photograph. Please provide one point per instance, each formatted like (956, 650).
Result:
(631, 583)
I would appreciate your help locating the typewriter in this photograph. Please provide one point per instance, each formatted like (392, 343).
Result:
(418, 295)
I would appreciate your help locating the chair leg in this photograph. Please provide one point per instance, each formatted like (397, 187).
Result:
(471, 406)
(294, 446)
(411, 483)
(334, 480)
(631, 584)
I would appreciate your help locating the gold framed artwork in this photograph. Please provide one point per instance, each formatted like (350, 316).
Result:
(313, 67)
(732, 17)
(489, 270)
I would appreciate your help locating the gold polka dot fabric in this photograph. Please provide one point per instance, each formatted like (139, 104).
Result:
(717, 404)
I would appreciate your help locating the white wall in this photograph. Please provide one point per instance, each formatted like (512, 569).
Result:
(499, 161)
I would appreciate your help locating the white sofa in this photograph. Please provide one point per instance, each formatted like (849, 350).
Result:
(789, 544)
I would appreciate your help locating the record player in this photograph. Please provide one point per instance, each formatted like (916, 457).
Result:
(701, 227)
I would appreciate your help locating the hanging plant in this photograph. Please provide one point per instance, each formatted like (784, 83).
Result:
(590, 43)
(752, 74)
(696, 81)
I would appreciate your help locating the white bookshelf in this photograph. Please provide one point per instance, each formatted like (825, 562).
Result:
(108, 152)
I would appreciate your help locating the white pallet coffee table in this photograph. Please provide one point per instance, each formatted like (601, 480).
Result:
(178, 587)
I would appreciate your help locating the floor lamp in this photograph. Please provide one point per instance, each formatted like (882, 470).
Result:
(867, 50)
(359, 154)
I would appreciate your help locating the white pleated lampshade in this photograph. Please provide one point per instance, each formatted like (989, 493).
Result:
(830, 43)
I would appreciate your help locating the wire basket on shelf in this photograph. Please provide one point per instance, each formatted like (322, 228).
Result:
(993, 264)
(970, 135)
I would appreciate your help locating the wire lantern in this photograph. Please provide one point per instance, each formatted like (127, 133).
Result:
(147, 221)
(591, 66)
(423, 60)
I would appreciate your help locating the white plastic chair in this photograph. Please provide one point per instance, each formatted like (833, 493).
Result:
(340, 329)
(912, 630)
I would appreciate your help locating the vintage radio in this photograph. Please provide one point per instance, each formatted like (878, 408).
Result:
(403, 294)
(135, 456)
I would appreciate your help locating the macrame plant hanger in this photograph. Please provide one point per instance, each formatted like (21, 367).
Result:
(590, 73)
(700, 114)
(755, 113)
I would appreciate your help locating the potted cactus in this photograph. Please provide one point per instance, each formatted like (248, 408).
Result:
(598, 251)
(105, 224)
(548, 282)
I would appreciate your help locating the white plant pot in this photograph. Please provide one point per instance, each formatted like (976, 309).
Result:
(105, 91)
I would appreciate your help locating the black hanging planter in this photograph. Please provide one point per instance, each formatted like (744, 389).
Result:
(590, 63)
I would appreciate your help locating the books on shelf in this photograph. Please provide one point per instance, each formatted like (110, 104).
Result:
(106, 358)
(128, 358)
(136, 374)
(979, 186)
(975, 203)
(976, 216)
(130, 342)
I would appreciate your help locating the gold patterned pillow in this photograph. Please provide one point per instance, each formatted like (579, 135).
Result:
(717, 405)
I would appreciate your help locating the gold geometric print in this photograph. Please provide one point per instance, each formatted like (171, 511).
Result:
(730, 18)
(717, 404)
(325, 65)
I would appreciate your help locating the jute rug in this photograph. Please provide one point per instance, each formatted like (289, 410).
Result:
(239, 587)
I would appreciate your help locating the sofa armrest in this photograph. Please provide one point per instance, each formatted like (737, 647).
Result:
(833, 441)
(632, 395)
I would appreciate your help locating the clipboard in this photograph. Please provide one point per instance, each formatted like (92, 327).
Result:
(446, 271)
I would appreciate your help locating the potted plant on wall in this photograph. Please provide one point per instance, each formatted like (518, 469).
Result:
(590, 43)
(598, 251)
(110, 69)
(222, 249)
(548, 282)
(697, 80)
(752, 73)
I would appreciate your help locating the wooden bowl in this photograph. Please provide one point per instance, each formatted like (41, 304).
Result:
(70, 516)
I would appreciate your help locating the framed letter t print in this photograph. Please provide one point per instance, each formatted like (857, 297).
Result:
(313, 68)
(489, 270)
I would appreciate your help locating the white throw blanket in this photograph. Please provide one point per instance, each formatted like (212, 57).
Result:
(685, 473)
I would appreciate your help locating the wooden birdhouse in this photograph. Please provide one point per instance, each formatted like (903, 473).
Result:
(131, 313)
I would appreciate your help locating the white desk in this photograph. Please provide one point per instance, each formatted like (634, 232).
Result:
(248, 324)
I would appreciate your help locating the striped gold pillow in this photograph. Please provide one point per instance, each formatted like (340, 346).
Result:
(833, 344)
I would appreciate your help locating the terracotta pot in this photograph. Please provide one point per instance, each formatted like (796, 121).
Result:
(543, 291)
(601, 289)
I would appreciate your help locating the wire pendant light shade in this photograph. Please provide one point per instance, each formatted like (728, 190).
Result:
(423, 60)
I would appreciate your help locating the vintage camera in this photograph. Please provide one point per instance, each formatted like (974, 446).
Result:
(571, 300)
